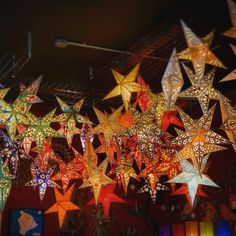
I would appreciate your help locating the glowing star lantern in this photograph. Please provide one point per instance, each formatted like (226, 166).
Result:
(12, 152)
(42, 179)
(198, 139)
(228, 114)
(107, 196)
(202, 88)
(172, 81)
(198, 50)
(97, 178)
(192, 178)
(70, 170)
(232, 10)
(153, 192)
(5, 183)
(108, 124)
(28, 96)
(39, 129)
(126, 85)
(63, 204)
(11, 115)
(170, 118)
(230, 76)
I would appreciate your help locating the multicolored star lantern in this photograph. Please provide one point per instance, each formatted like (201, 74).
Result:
(41, 179)
(126, 85)
(192, 178)
(106, 197)
(5, 183)
(63, 204)
(198, 139)
(39, 129)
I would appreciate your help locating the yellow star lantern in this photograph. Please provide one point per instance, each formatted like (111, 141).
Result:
(97, 178)
(198, 139)
(108, 124)
(126, 85)
(63, 204)
(202, 88)
(228, 114)
(198, 50)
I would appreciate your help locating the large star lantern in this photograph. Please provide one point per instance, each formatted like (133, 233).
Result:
(198, 50)
(126, 85)
(198, 139)
(192, 178)
(39, 129)
(63, 204)
(41, 179)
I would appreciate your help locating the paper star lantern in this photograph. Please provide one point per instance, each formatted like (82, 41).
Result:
(63, 204)
(170, 118)
(107, 197)
(90, 156)
(28, 96)
(198, 139)
(198, 50)
(124, 171)
(228, 114)
(230, 76)
(192, 178)
(108, 124)
(11, 115)
(202, 88)
(153, 192)
(69, 170)
(42, 179)
(39, 129)
(172, 81)
(126, 85)
(232, 11)
(12, 152)
(5, 183)
(97, 178)
(109, 150)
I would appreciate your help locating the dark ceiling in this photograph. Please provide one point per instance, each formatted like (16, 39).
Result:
(134, 25)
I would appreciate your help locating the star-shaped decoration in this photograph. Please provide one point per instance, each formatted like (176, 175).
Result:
(11, 115)
(126, 85)
(63, 204)
(228, 114)
(107, 197)
(27, 95)
(153, 192)
(41, 179)
(85, 133)
(97, 178)
(232, 11)
(5, 183)
(69, 170)
(198, 50)
(170, 118)
(192, 178)
(12, 152)
(109, 150)
(230, 76)
(39, 129)
(202, 88)
(108, 124)
(172, 81)
(198, 139)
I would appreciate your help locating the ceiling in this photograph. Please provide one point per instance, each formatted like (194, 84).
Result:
(145, 27)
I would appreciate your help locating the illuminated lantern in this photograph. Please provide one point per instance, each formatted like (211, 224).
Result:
(164, 230)
(178, 230)
(223, 228)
